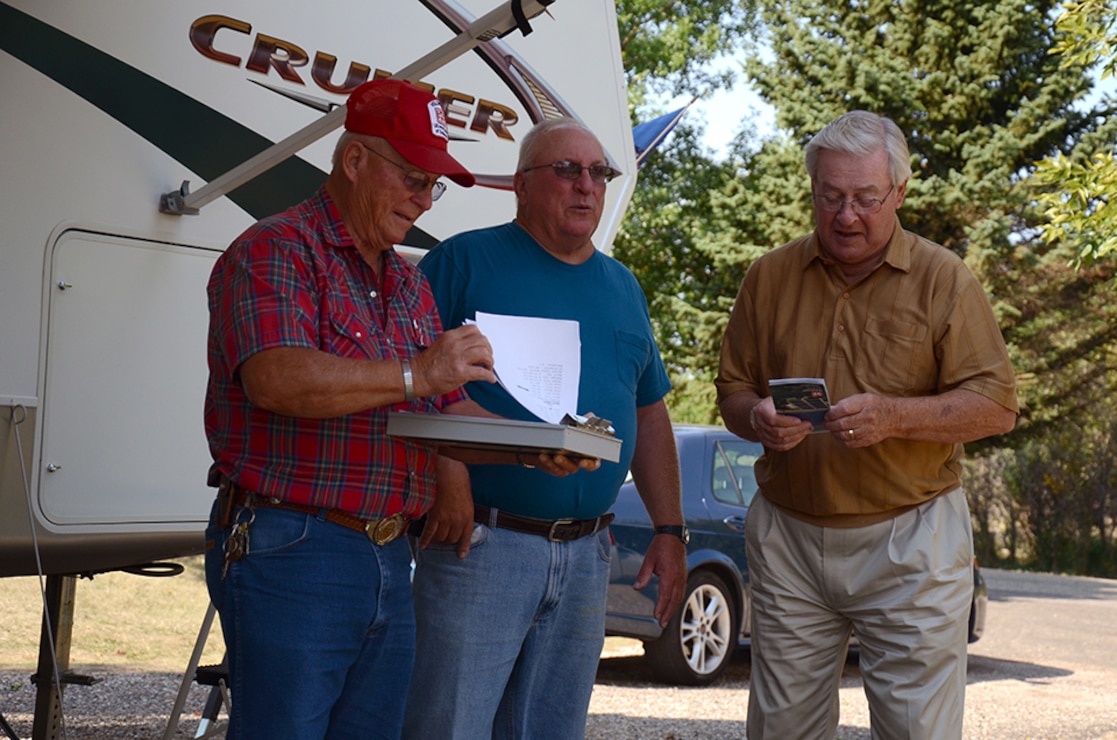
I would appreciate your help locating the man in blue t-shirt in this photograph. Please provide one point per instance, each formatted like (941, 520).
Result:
(511, 621)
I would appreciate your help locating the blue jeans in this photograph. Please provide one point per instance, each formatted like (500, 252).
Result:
(508, 638)
(319, 629)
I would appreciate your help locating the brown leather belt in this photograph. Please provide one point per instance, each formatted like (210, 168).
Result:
(557, 530)
(230, 496)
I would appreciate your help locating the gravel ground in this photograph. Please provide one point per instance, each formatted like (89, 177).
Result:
(122, 706)
(1043, 670)
(627, 704)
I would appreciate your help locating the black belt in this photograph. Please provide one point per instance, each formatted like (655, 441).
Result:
(556, 530)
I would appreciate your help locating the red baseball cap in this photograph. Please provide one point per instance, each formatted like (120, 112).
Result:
(411, 120)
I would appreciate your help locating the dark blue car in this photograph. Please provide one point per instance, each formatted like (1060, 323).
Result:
(718, 485)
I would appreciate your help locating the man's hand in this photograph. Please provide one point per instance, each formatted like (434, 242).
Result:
(779, 432)
(560, 466)
(457, 357)
(451, 517)
(666, 558)
(860, 420)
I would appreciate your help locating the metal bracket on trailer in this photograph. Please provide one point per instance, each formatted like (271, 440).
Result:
(175, 201)
(495, 24)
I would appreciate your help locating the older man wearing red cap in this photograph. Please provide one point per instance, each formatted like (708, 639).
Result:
(317, 330)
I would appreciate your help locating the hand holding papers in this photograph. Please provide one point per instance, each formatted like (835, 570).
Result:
(538, 361)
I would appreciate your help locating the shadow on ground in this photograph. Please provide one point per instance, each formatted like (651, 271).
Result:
(981, 668)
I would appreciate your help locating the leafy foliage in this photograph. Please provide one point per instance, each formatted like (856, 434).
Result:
(983, 100)
(971, 83)
(668, 45)
(1050, 504)
(672, 48)
(684, 287)
(1081, 188)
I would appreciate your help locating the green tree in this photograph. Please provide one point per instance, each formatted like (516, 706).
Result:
(971, 83)
(981, 99)
(668, 45)
(658, 242)
(672, 49)
(1081, 188)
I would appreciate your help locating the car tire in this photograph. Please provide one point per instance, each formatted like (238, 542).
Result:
(698, 642)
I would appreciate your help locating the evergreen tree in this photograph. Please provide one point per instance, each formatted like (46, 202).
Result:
(973, 86)
(670, 209)
(970, 82)
(671, 49)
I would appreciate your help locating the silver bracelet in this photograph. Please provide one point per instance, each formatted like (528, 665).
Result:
(408, 383)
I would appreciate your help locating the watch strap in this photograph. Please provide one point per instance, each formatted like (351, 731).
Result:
(678, 530)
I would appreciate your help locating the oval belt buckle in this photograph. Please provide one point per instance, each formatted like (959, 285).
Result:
(383, 531)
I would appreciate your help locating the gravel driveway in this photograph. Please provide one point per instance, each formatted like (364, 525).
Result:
(1045, 670)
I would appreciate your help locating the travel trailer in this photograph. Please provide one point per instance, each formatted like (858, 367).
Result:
(140, 137)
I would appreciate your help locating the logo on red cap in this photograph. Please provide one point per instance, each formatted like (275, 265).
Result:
(438, 120)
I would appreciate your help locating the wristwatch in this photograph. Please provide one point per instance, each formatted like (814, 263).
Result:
(679, 530)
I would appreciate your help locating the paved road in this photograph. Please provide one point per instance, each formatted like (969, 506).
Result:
(1046, 669)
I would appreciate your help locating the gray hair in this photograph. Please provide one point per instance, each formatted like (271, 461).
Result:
(533, 139)
(861, 132)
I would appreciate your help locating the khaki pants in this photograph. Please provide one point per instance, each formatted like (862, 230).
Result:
(902, 587)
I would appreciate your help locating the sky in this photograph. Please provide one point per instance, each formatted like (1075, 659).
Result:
(725, 110)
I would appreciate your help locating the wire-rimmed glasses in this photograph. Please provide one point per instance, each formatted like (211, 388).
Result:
(414, 180)
(860, 206)
(567, 170)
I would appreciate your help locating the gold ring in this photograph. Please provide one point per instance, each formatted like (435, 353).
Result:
(850, 432)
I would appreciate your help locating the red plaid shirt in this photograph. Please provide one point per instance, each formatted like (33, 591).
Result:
(296, 280)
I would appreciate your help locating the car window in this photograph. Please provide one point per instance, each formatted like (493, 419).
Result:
(724, 483)
(734, 481)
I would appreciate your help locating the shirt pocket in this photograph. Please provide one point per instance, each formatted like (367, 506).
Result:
(895, 353)
(422, 331)
(347, 335)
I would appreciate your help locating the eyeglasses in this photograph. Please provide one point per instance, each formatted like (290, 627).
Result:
(413, 180)
(567, 170)
(860, 206)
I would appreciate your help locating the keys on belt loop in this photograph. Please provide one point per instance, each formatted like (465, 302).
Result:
(236, 544)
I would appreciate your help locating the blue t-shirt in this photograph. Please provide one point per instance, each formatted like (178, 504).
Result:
(503, 270)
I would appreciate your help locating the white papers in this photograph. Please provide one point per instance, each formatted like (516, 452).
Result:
(538, 361)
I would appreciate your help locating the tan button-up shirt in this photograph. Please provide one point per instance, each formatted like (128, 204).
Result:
(919, 324)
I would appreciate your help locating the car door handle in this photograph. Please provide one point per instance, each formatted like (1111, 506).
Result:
(735, 522)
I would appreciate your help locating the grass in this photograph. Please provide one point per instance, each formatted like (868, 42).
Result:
(122, 620)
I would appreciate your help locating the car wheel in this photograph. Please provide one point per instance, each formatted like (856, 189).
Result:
(698, 642)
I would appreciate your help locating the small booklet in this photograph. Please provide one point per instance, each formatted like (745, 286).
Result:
(806, 398)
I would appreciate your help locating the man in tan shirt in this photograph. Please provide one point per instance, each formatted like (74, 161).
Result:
(862, 530)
